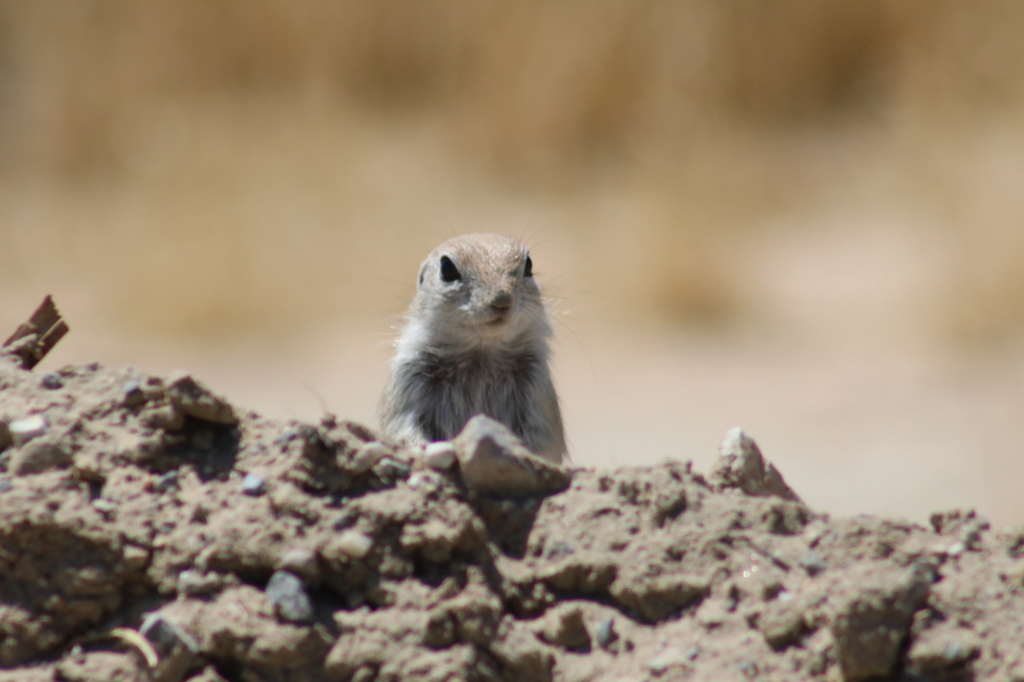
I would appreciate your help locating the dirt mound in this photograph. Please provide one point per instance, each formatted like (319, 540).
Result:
(150, 530)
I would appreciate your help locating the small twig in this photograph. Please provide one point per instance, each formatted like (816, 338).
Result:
(130, 637)
(38, 336)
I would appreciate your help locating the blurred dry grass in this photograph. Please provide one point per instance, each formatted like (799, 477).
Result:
(202, 167)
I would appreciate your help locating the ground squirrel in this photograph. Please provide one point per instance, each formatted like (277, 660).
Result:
(475, 342)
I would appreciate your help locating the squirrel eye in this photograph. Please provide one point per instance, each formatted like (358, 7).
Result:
(449, 273)
(528, 268)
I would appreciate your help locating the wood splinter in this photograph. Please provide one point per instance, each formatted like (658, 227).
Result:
(37, 337)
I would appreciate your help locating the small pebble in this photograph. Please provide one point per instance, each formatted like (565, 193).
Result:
(253, 485)
(52, 381)
(439, 456)
(302, 562)
(812, 562)
(287, 593)
(165, 635)
(25, 429)
(343, 520)
(354, 544)
(749, 669)
(286, 437)
(393, 469)
(368, 455)
(606, 634)
(166, 482)
(198, 584)
(559, 549)
(103, 505)
(133, 395)
(427, 481)
(666, 659)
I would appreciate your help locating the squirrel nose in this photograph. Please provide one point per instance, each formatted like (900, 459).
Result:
(502, 301)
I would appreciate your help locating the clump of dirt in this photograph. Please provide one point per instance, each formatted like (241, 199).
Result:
(150, 530)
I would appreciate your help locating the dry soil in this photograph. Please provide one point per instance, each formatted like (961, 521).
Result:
(151, 530)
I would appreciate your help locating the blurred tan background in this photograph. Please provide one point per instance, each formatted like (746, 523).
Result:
(804, 218)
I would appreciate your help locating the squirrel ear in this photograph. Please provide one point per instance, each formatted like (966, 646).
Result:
(449, 273)
(528, 268)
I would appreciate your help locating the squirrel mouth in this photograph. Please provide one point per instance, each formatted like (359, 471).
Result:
(498, 319)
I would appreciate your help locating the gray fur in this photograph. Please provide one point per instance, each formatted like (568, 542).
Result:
(477, 345)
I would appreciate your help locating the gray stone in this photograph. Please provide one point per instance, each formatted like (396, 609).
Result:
(871, 621)
(493, 461)
(133, 394)
(287, 593)
(195, 583)
(563, 626)
(940, 648)
(741, 465)
(166, 482)
(42, 454)
(197, 401)
(606, 635)
(175, 648)
(253, 485)
(658, 597)
(812, 562)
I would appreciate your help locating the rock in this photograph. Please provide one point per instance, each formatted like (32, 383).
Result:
(353, 544)
(523, 657)
(174, 647)
(606, 635)
(494, 462)
(42, 454)
(253, 485)
(563, 626)
(52, 381)
(439, 456)
(427, 481)
(433, 540)
(941, 648)
(368, 455)
(673, 657)
(658, 597)
(168, 481)
(812, 562)
(168, 417)
(783, 623)
(287, 593)
(194, 583)
(25, 429)
(104, 506)
(133, 395)
(873, 616)
(197, 401)
(302, 562)
(392, 469)
(741, 465)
